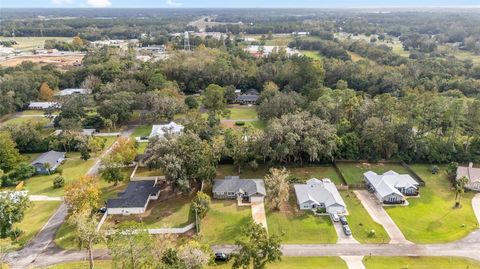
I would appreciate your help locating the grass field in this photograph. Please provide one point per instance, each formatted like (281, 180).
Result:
(361, 223)
(224, 222)
(172, 213)
(142, 130)
(32, 120)
(353, 172)
(32, 42)
(300, 227)
(83, 265)
(419, 263)
(312, 54)
(145, 172)
(432, 218)
(299, 263)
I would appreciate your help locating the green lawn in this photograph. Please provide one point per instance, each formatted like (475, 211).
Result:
(419, 263)
(142, 130)
(32, 112)
(35, 218)
(432, 218)
(360, 221)
(353, 172)
(224, 222)
(312, 54)
(242, 113)
(299, 263)
(259, 124)
(300, 227)
(173, 213)
(304, 173)
(32, 42)
(82, 265)
(32, 120)
(141, 147)
(65, 238)
(145, 172)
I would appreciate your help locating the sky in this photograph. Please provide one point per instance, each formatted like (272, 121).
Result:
(236, 3)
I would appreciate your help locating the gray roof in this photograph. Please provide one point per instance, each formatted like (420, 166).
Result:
(137, 194)
(235, 184)
(318, 191)
(472, 173)
(390, 182)
(51, 157)
(247, 98)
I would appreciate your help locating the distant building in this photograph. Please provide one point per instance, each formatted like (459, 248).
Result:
(391, 187)
(232, 187)
(301, 33)
(48, 162)
(43, 105)
(264, 51)
(66, 92)
(163, 129)
(250, 97)
(319, 194)
(473, 175)
(135, 199)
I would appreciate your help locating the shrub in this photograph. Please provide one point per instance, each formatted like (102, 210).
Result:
(371, 233)
(240, 123)
(294, 179)
(321, 210)
(58, 182)
(434, 169)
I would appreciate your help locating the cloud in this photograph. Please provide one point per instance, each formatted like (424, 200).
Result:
(97, 3)
(172, 3)
(61, 2)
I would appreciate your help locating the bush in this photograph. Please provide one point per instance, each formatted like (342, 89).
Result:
(58, 182)
(240, 123)
(434, 169)
(371, 233)
(294, 179)
(321, 210)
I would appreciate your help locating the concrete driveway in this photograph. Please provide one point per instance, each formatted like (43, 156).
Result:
(476, 206)
(379, 215)
(258, 213)
(342, 238)
(353, 262)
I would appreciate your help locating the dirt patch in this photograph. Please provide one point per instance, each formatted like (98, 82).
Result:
(60, 61)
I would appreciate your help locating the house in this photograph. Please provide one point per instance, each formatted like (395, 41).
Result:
(163, 129)
(250, 97)
(48, 162)
(66, 92)
(135, 199)
(232, 187)
(473, 175)
(391, 187)
(264, 51)
(319, 194)
(43, 105)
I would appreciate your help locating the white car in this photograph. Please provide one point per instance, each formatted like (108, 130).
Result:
(335, 217)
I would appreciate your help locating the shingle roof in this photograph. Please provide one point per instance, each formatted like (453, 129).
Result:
(247, 98)
(50, 157)
(388, 183)
(234, 184)
(472, 173)
(318, 191)
(161, 130)
(136, 195)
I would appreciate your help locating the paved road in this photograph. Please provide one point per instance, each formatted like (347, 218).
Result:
(476, 206)
(354, 262)
(379, 215)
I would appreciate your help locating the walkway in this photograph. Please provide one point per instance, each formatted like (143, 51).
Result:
(379, 215)
(44, 198)
(353, 262)
(258, 213)
(476, 206)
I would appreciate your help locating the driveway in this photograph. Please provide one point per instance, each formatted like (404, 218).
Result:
(379, 215)
(476, 206)
(353, 262)
(258, 213)
(342, 238)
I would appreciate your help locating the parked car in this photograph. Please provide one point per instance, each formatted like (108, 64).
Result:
(334, 217)
(102, 210)
(346, 230)
(343, 220)
(221, 257)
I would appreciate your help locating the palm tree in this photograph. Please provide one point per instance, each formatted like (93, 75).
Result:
(459, 189)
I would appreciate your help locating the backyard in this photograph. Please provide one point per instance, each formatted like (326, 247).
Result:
(242, 113)
(361, 223)
(142, 130)
(353, 172)
(224, 222)
(377, 262)
(431, 218)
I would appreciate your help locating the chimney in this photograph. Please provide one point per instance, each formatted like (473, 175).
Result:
(470, 165)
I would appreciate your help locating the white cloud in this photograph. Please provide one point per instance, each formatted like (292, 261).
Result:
(172, 3)
(61, 2)
(98, 3)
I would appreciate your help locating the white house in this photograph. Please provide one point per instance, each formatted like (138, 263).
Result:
(263, 51)
(473, 175)
(135, 199)
(391, 187)
(163, 129)
(43, 105)
(66, 92)
(319, 194)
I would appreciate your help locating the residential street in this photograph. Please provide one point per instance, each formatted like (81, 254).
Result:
(379, 215)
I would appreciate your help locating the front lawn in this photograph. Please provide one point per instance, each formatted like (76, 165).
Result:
(299, 226)
(377, 262)
(35, 218)
(242, 113)
(361, 223)
(299, 263)
(34, 120)
(224, 222)
(142, 130)
(431, 218)
(353, 172)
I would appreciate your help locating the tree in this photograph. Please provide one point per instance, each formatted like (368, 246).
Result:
(242, 146)
(13, 205)
(256, 248)
(201, 204)
(87, 232)
(191, 102)
(131, 246)
(230, 95)
(111, 172)
(214, 100)
(58, 182)
(45, 93)
(452, 170)
(280, 104)
(83, 195)
(9, 155)
(194, 255)
(277, 186)
(460, 189)
(164, 103)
